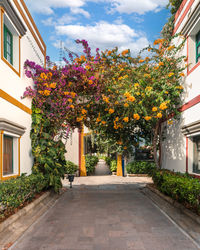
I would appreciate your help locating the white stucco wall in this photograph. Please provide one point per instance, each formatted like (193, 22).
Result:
(15, 86)
(72, 147)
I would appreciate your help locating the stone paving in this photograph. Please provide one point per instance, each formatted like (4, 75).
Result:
(101, 168)
(104, 213)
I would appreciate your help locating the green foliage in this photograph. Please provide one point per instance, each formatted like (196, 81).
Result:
(48, 153)
(108, 160)
(70, 167)
(140, 167)
(180, 187)
(113, 166)
(90, 163)
(174, 4)
(15, 192)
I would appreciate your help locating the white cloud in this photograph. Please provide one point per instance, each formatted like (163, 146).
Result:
(53, 21)
(122, 6)
(104, 35)
(47, 6)
(135, 6)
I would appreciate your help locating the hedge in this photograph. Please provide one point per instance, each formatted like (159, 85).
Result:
(140, 167)
(90, 163)
(14, 193)
(180, 187)
(70, 167)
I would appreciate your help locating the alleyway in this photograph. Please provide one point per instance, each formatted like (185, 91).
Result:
(104, 213)
(101, 168)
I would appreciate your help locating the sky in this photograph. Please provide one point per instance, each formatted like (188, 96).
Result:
(105, 24)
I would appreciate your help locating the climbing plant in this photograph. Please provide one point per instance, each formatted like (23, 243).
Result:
(115, 94)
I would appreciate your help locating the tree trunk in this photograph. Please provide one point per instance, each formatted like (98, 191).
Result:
(155, 139)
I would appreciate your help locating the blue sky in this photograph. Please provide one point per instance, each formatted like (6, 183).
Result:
(104, 24)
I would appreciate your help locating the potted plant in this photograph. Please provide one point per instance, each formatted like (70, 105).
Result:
(70, 170)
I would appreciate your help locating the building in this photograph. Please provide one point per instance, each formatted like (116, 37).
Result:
(180, 151)
(20, 40)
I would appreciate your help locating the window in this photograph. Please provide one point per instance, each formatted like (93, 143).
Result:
(8, 45)
(196, 156)
(198, 47)
(7, 155)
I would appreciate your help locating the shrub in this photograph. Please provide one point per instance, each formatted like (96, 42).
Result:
(70, 167)
(140, 167)
(14, 193)
(113, 166)
(108, 160)
(180, 187)
(90, 163)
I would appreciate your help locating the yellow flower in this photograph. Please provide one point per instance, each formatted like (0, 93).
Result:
(182, 74)
(53, 85)
(137, 93)
(170, 74)
(125, 119)
(66, 93)
(47, 92)
(136, 85)
(147, 118)
(103, 122)
(117, 119)
(159, 115)
(87, 67)
(72, 106)
(170, 47)
(136, 116)
(83, 111)
(126, 105)
(179, 87)
(131, 98)
(41, 92)
(70, 83)
(154, 109)
(69, 100)
(166, 92)
(170, 122)
(127, 94)
(148, 89)
(50, 74)
(82, 58)
(106, 99)
(73, 94)
(163, 106)
(116, 102)
(147, 75)
(111, 111)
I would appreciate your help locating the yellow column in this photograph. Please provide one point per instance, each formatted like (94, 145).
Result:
(119, 165)
(83, 168)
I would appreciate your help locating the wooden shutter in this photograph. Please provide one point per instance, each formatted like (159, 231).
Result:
(7, 155)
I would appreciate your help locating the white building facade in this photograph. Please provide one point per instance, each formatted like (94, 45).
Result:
(20, 40)
(180, 151)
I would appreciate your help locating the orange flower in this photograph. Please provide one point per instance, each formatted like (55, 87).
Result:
(182, 74)
(53, 85)
(103, 122)
(43, 76)
(125, 119)
(90, 82)
(170, 74)
(161, 63)
(69, 100)
(159, 115)
(79, 119)
(154, 109)
(111, 111)
(83, 111)
(126, 105)
(147, 118)
(47, 92)
(72, 106)
(163, 106)
(141, 61)
(136, 116)
(131, 98)
(170, 47)
(125, 52)
(125, 147)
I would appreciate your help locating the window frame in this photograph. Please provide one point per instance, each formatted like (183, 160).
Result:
(195, 167)
(7, 32)
(8, 136)
(197, 46)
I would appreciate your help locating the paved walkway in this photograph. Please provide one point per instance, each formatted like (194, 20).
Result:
(102, 168)
(104, 213)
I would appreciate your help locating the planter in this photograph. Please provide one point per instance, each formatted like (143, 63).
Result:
(71, 179)
(114, 173)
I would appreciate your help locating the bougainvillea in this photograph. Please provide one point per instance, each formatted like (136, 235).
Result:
(114, 94)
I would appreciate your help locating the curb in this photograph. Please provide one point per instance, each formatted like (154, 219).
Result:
(137, 175)
(13, 227)
(176, 204)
